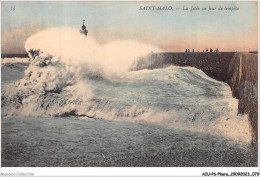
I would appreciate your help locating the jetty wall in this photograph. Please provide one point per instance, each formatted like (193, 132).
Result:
(243, 80)
(239, 70)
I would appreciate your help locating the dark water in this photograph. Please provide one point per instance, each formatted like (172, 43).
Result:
(188, 120)
(50, 141)
(12, 72)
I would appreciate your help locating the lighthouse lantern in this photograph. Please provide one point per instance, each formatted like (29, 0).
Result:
(83, 29)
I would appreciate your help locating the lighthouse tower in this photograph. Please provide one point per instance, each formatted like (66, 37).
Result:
(83, 29)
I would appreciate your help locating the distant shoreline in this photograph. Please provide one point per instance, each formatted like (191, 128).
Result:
(14, 55)
(27, 56)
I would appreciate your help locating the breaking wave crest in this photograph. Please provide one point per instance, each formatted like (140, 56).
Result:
(71, 75)
(62, 64)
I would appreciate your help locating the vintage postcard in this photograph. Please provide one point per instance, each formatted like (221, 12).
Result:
(129, 84)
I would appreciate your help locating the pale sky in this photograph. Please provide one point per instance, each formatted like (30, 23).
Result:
(170, 30)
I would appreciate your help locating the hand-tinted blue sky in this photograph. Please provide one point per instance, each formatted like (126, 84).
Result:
(170, 30)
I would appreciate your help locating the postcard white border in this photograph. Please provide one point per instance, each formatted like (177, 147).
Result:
(128, 171)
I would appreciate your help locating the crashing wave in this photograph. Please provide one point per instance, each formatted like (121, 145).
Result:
(70, 75)
(62, 61)
(5, 61)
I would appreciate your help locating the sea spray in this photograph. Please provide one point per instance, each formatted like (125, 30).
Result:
(67, 46)
(62, 62)
(71, 75)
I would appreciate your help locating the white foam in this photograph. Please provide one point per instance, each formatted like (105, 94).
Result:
(75, 75)
(68, 46)
(14, 60)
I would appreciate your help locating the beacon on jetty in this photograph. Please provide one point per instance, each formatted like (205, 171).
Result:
(83, 29)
